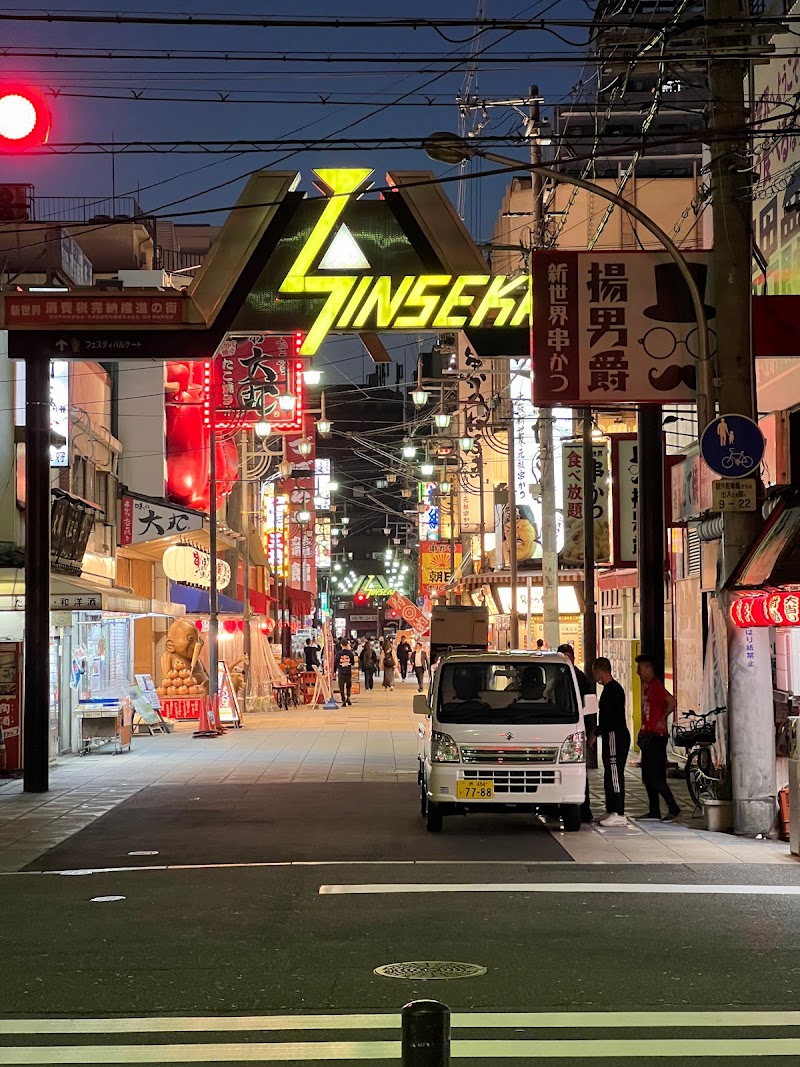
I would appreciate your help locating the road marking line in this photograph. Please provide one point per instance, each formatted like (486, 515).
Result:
(390, 1020)
(562, 887)
(752, 1048)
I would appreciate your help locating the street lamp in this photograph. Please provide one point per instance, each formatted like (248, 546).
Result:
(466, 443)
(286, 402)
(304, 447)
(409, 451)
(419, 395)
(442, 419)
(303, 517)
(312, 377)
(333, 486)
(444, 488)
(426, 469)
(263, 430)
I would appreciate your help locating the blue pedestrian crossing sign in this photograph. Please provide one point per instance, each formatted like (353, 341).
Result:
(732, 446)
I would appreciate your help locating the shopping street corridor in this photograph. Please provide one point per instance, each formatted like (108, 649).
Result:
(228, 900)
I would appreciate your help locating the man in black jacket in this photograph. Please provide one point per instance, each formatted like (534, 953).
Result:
(343, 666)
(612, 726)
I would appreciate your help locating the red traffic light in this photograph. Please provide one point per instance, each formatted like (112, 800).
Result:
(24, 119)
(360, 598)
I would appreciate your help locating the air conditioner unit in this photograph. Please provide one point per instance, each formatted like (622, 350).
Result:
(16, 202)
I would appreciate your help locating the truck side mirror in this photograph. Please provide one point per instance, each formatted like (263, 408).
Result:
(421, 704)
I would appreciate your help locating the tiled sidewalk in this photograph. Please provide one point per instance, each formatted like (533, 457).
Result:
(374, 741)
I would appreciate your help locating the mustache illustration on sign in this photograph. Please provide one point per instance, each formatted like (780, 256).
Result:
(672, 376)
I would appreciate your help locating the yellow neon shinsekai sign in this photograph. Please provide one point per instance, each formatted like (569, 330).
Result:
(358, 301)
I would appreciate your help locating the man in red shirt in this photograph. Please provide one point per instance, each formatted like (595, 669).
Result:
(657, 706)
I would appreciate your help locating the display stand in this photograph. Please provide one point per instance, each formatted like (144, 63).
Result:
(229, 711)
(146, 708)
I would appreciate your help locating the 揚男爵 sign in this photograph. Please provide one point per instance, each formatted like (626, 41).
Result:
(616, 327)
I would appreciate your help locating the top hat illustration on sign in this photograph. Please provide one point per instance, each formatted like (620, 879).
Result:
(673, 299)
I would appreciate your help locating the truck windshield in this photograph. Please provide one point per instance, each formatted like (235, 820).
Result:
(513, 692)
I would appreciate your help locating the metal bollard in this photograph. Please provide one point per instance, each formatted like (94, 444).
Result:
(426, 1034)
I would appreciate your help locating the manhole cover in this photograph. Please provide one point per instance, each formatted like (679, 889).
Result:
(428, 970)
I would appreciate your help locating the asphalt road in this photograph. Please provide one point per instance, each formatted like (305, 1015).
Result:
(570, 950)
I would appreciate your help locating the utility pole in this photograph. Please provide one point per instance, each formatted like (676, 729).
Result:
(512, 531)
(750, 711)
(589, 608)
(547, 473)
(213, 597)
(649, 445)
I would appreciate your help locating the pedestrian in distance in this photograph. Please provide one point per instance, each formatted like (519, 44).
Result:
(388, 663)
(368, 662)
(657, 706)
(419, 663)
(403, 654)
(343, 666)
(311, 654)
(612, 728)
(585, 688)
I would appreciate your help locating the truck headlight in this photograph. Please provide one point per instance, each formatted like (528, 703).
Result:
(573, 749)
(444, 749)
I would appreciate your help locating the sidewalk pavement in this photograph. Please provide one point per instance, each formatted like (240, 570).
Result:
(373, 741)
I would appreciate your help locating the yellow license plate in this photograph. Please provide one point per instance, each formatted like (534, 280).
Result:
(475, 789)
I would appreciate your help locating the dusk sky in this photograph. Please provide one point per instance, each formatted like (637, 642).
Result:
(273, 98)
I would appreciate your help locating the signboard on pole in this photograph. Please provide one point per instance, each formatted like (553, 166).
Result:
(616, 327)
(572, 474)
(733, 446)
(734, 494)
(434, 566)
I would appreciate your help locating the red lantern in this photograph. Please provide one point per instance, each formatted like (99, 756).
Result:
(240, 625)
(199, 624)
(229, 626)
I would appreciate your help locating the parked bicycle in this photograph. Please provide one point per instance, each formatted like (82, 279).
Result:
(703, 777)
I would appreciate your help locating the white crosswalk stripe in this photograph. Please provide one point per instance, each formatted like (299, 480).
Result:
(503, 1035)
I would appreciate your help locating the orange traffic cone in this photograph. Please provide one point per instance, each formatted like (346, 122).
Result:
(206, 727)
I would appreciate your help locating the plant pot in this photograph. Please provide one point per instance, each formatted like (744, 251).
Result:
(718, 815)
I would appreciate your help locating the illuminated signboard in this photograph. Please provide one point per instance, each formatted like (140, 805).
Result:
(429, 515)
(249, 376)
(348, 262)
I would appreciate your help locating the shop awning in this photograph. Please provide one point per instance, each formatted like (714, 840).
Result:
(196, 601)
(773, 559)
(79, 594)
(300, 601)
(258, 556)
(475, 581)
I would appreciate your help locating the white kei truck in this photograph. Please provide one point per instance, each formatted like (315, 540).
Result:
(502, 732)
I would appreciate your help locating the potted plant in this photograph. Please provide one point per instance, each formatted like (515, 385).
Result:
(718, 810)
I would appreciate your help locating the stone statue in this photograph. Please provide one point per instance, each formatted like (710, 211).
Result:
(182, 673)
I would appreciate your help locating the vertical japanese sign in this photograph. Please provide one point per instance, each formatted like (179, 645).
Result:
(625, 487)
(434, 567)
(555, 328)
(429, 517)
(616, 327)
(59, 411)
(572, 473)
(10, 707)
(251, 374)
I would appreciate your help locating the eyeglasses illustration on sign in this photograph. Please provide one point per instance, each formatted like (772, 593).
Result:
(660, 342)
(331, 265)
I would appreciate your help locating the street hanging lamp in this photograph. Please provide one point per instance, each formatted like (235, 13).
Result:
(426, 469)
(304, 447)
(419, 395)
(286, 402)
(409, 450)
(312, 376)
(303, 517)
(466, 443)
(324, 424)
(263, 430)
(442, 419)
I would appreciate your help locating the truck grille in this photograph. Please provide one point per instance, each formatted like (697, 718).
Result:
(509, 781)
(509, 755)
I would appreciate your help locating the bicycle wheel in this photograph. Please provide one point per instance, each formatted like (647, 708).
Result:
(702, 777)
(693, 772)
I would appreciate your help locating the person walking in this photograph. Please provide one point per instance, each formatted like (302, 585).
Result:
(343, 666)
(420, 663)
(657, 706)
(585, 688)
(612, 727)
(368, 662)
(311, 654)
(403, 653)
(388, 663)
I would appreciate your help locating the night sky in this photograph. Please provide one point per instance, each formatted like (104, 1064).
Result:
(170, 184)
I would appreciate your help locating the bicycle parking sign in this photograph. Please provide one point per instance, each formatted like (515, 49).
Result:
(732, 446)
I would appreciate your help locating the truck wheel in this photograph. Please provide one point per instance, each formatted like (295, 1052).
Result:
(433, 819)
(571, 816)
